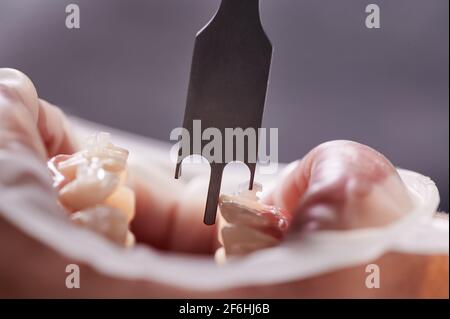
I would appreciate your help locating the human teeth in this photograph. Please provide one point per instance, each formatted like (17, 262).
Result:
(88, 189)
(247, 225)
(107, 221)
(90, 183)
(122, 199)
(241, 240)
(113, 158)
(241, 211)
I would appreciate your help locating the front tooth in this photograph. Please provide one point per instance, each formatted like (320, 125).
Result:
(104, 220)
(238, 210)
(246, 225)
(88, 191)
(124, 200)
(241, 240)
(268, 219)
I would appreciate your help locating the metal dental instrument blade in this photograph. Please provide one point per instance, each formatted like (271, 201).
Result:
(227, 87)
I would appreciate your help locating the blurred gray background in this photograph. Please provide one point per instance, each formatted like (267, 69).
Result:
(128, 66)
